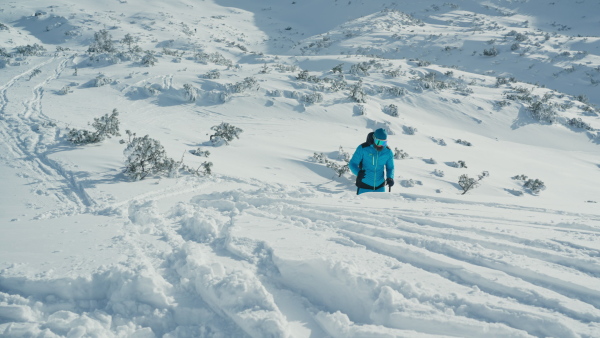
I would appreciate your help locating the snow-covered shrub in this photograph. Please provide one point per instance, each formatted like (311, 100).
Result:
(392, 73)
(503, 80)
(148, 59)
(225, 132)
(542, 112)
(579, 123)
(458, 164)
(408, 130)
(319, 157)
(464, 142)
(102, 43)
(515, 46)
(467, 183)
(408, 183)
(343, 155)
(130, 41)
(338, 84)
(535, 185)
(391, 109)
(146, 156)
(305, 76)
(361, 69)
(105, 127)
(35, 72)
(439, 141)
(339, 169)
(102, 80)
(213, 74)
(30, 50)
(312, 98)
(215, 58)
(520, 177)
(400, 154)
(360, 109)
(190, 92)
(274, 93)
(438, 173)
(65, 90)
(200, 152)
(3, 27)
(395, 91)
(338, 68)
(357, 93)
(244, 85)
(490, 52)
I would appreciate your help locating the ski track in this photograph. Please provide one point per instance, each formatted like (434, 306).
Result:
(540, 297)
(30, 132)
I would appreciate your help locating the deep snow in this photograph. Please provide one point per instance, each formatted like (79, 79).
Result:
(273, 243)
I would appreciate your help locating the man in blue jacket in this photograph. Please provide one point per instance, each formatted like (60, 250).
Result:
(369, 161)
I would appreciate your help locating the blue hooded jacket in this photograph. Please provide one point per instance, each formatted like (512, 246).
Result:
(373, 162)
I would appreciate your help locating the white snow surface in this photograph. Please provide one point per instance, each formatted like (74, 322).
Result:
(274, 243)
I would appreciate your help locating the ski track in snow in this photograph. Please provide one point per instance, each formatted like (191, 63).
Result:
(29, 133)
(205, 252)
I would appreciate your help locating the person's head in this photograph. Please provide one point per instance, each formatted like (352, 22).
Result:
(380, 138)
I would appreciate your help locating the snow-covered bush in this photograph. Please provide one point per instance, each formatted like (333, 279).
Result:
(65, 90)
(357, 93)
(464, 142)
(305, 76)
(225, 132)
(467, 183)
(190, 92)
(542, 112)
(30, 50)
(339, 169)
(579, 123)
(215, 58)
(338, 69)
(338, 84)
(319, 157)
(146, 156)
(102, 43)
(213, 74)
(535, 185)
(490, 52)
(360, 109)
(400, 154)
(458, 164)
(35, 72)
(343, 155)
(148, 59)
(361, 69)
(244, 85)
(130, 41)
(105, 127)
(200, 152)
(102, 80)
(438, 173)
(391, 109)
(408, 130)
(312, 98)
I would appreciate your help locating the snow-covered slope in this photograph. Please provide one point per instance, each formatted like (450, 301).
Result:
(274, 243)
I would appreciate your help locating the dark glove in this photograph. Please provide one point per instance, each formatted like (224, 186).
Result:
(390, 182)
(361, 175)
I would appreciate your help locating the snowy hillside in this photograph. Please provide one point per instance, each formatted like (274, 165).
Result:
(257, 235)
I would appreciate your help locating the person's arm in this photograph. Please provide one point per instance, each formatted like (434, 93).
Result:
(355, 160)
(389, 167)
